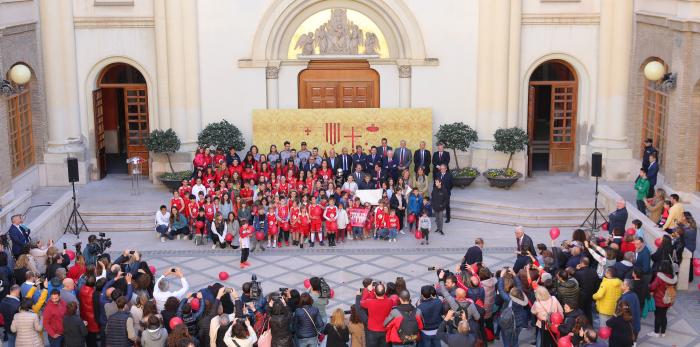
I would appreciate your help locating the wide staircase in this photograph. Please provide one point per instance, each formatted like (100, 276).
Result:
(526, 216)
(102, 222)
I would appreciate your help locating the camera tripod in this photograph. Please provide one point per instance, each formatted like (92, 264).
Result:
(72, 226)
(592, 219)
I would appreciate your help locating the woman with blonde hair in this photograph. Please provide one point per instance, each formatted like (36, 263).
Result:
(656, 207)
(542, 308)
(336, 330)
(22, 265)
(420, 181)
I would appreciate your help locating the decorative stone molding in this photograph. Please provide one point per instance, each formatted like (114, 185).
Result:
(272, 72)
(113, 22)
(560, 18)
(404, 71)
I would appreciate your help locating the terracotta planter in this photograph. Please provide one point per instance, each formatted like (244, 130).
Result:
(463, 182)
(503, 182)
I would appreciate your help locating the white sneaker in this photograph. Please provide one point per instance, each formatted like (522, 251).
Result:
(268, 244)
(663, 335)
(402, 232)
(213, 246)
(653, 334)
(274, 245)
(162, 239)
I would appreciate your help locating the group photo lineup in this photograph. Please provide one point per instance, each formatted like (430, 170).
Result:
(349, 173)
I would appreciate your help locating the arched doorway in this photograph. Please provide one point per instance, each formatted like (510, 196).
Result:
(552, 102)
(338, 84)
(121, 118)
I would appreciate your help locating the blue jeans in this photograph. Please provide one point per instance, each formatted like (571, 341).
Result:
(510, 340)
(392, 233)
(429, 341)
(357, 231)
(10, 338)
(55, 342)
(308, 342)
(163, 231)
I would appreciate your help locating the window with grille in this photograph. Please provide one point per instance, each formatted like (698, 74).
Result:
(654, 123)
(20, 132)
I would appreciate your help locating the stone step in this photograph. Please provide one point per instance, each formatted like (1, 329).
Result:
(118, 228)
(514, 221)
(118, 219)
(520, 214)
(505, 206)
(116, 214)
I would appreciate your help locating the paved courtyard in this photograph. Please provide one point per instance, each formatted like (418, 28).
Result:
(345, 266)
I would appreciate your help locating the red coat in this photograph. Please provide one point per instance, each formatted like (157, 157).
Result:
(53, 317)
(658, 288)
(392, 329)
(75, 272)
(87, 308)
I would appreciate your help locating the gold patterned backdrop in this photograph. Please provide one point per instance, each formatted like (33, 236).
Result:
(338, 128)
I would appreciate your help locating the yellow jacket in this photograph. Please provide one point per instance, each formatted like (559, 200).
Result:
(674, 215)
(607, 295)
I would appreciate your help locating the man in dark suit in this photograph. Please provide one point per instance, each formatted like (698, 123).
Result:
(652, 173)
(648, 151)
(446, 178)
(383, 149)
(358, 175)
(403, 156)
(372, 158)
(474, 253)
(378, 175)
(522, 240)
(421, 158)
(441, 157)
(8, 307)
(618, 219)
(359, 157)
(345, 161)
(333, 161)
(19, 235)
(390, 166)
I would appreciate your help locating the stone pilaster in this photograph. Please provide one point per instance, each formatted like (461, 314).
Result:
(272, 86)
(405, 86)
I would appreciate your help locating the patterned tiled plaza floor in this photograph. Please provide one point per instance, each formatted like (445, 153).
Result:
(344, 270)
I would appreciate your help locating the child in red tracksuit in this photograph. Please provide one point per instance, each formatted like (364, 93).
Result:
(393, 322)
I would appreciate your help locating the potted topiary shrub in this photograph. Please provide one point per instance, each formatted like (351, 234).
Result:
(509, 141)
(459, 136)
(167, 142)
(223, 135)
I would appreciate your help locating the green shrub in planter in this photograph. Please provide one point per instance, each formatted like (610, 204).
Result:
(465, 172)
(510, 141)
(223, 135)
(176, 176)
(492, 173)
(159, 141)
(457, 136)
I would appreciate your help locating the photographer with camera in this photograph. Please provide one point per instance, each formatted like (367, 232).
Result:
(35, 288)
(96, 248)
(320, 292)
(129, 261)
(460, 302)
(162, 292)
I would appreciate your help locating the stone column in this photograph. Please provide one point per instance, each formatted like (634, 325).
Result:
(405, 86)
(272, 86)
(514, 85)
(492, 67)
(162, 63)
(609, 134)
(61, 86)
(190, 42)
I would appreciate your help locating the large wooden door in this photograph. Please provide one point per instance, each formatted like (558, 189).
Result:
(338, 84)
(530, 126)
(100, 148)
(137, 129)
(562, 140)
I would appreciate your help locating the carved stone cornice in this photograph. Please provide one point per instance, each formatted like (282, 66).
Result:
(405, 71)
(113, 22)
(272, 72)
(560, 18)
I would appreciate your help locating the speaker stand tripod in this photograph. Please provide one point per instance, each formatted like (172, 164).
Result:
(72, 226)
(592, 219)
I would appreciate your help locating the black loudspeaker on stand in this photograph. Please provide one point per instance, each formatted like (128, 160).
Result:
(72, 226)
(596, 171)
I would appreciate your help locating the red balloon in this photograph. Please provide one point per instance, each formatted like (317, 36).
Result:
(419, 235)
(228, 237)
(223, 275)
(698, 286)
(195, 304)
(657, 242)
(153, 269)
(565, 341)
(411, 218)
(260, 236)
(175, 321)
(332, 293)
(631, 231)
(696, 261)
(199, 225)
(554, 233)
(70, 253)
(605, 226)
(696, 271)
(556, 318)
(273, 230)
(604, 332)
(307, 283)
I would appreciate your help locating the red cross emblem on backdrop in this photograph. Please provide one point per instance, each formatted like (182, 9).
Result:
(352, 136)
(332, 133)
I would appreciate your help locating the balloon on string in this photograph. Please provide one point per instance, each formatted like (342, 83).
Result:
(199, 225)
(604, 332)
(175, 321)
(70, 253)
(194, 303)
(153, 269)
(411, 218)
(657, 242)
(565, 341)
(332, 293)
(273, 230)
(605, 226)
(223, 275)
(554, 232)
(307, 283)
(696, 271)
(556, 318)
(696, 261)
(228, 237)
(418, 235)
(631, 231)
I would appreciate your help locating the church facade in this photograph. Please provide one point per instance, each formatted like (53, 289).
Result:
(569, 72)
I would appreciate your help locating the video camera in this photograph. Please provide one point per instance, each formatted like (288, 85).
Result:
(255, 288)
(447, 272)
(103, 243)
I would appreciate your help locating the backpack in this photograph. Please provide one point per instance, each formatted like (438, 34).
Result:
(325, 290)
(507, 317)
(408, 330)
(669, 295)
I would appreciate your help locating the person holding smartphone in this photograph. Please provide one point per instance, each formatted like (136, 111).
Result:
(161, 291)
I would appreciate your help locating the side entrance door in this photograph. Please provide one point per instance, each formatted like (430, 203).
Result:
(562, 139)
(137, 128)
(100, 150)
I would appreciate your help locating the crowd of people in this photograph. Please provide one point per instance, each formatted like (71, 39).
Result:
(296, 198)
(589, 289)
